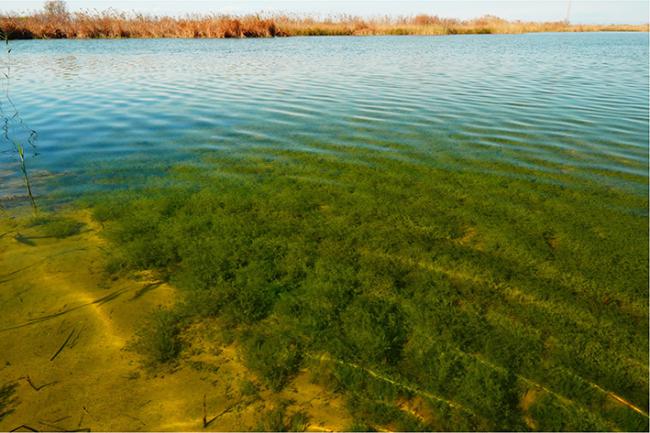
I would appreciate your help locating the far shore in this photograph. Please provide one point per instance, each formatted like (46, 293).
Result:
(110, 24)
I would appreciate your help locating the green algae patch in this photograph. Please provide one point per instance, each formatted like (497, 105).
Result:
(410, 280)
(158, 338)
(7, 399)
(55, 226)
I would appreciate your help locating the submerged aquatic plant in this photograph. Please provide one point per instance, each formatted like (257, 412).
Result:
(278, 419)
(56, 226)
(7, 399)
(12, 117)
(400, 283)
(159, 340)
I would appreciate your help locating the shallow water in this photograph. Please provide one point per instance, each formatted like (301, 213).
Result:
(573, 103)
(400, 233)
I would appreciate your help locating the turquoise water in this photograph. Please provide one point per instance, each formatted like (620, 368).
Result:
(575, 104)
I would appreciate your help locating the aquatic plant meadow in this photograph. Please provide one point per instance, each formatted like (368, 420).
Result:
(501, 303)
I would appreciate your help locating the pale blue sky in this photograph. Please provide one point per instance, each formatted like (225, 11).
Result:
(582, 11)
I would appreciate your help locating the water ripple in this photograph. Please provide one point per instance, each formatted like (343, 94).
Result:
(549, 102)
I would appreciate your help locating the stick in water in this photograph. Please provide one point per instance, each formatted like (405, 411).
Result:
(62, 346)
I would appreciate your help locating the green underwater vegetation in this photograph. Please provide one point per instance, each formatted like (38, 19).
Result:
(55, 226)
(7, 399)
(432, 296)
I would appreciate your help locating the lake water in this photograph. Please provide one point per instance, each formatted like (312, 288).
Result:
(389, 233)
(564, 103)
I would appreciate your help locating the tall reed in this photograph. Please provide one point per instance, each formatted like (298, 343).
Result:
(9, 116)
(112, 24)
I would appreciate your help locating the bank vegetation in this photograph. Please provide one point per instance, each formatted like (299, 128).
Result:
(54, 21)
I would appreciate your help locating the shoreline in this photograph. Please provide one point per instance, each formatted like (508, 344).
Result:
(149, 38)
(112, 25)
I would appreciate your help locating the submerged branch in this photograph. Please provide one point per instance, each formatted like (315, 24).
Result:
(35, 387)
(65, 343)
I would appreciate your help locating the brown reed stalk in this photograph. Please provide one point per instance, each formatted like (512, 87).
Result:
(113, 24)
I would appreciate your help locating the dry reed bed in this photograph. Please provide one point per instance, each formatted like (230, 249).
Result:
(109, 24)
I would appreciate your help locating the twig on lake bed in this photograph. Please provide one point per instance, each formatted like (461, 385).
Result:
(104, 299)
(34, 387)
(52, 425)
(59, 428)
(63, 345)
(24, 240)
(99, 301)
(63, 418)
(6, 233)
(207, 422)
(205, 413)
(44, 259)
(24, 426)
